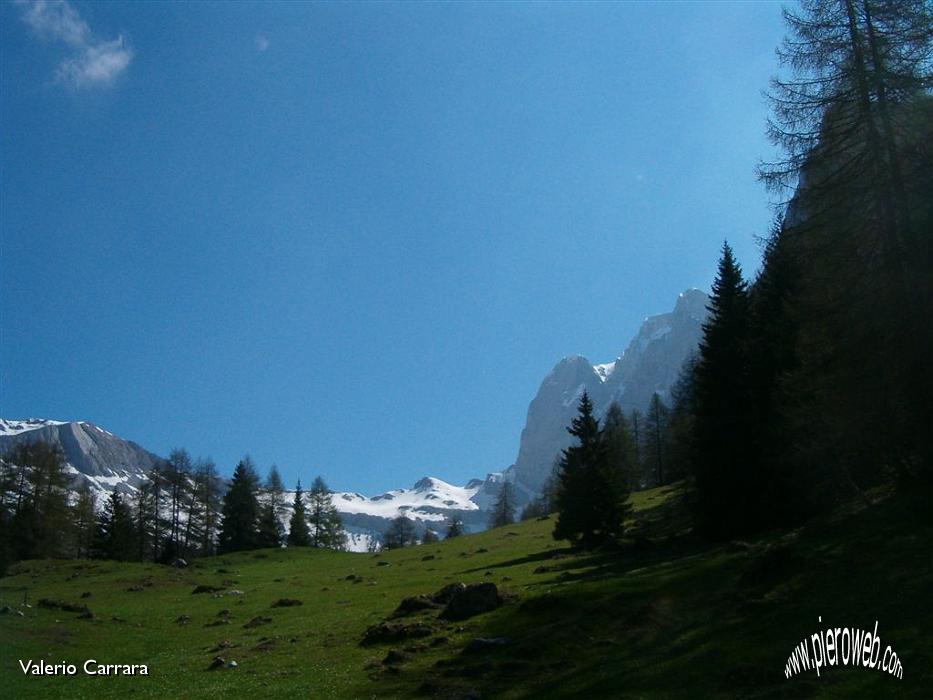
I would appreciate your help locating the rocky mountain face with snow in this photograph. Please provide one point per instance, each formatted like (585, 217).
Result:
(651, 363)
(106, 462)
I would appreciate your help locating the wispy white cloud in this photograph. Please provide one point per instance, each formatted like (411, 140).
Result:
(262, 42)
(93, 61)
(98, 64)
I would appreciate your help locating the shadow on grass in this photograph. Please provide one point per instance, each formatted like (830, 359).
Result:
(680, 618)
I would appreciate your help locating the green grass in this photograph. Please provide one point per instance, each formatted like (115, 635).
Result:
(667, 616)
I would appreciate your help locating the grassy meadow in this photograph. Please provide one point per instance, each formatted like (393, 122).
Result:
(665, 616)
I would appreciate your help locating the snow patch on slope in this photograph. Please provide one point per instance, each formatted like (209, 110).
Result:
(16, 427)
(604, 370)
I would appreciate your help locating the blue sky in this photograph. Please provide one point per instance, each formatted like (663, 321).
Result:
(351, 239)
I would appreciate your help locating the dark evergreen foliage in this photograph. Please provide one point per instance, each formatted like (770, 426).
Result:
(656, 424)
(240, 526)
(591, 495)
(298, 535)
(116, 534)
(620, 446)
(723, 461)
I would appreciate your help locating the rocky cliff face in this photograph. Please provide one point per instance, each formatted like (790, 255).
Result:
(92, 454)
(651, 363)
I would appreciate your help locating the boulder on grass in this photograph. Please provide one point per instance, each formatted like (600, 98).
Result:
(474, 599)
(393, 632)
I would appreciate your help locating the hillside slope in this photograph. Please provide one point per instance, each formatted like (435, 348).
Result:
(665, 617)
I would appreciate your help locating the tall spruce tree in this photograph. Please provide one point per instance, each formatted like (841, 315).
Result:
(723, 457)
(323, 518)
(240, 526)
(298, 535)
(592, 493)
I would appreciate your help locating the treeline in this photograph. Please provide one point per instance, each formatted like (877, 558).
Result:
(180, 510)
(402, 532)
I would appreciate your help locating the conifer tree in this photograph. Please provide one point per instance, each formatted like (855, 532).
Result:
(503, 512)
(591, 494)
(177, 476)
(323, 518)
(208, 487)
(271, 532)
(723, 458)
(84, 521)
(429, 536)
(656, 432)
(679, 445)
(239, 529)
(637, 424)
(298, 535)
(620, 445)
(115, 537)
(454, 528)
(145, 516)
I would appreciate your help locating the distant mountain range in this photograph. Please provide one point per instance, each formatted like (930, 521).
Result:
(650, 363)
